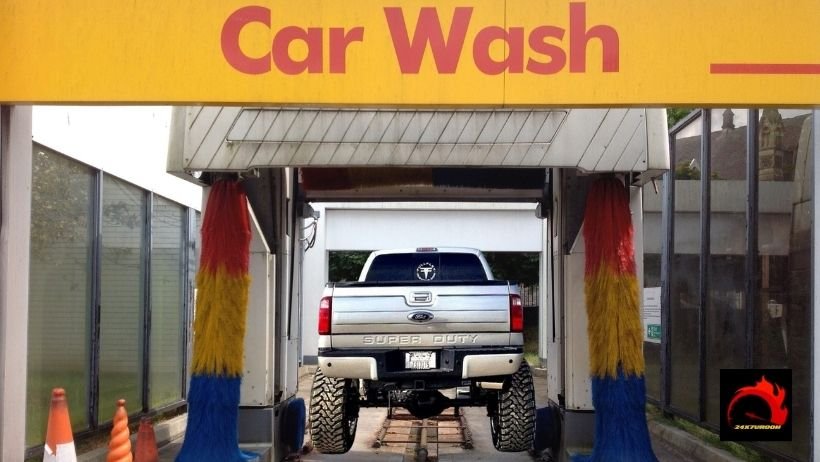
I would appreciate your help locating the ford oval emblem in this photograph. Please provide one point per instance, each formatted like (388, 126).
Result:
(420, 316)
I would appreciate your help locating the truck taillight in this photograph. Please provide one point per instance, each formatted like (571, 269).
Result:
(516, 314)
(325, 309)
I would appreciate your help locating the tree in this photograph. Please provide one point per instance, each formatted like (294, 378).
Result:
(687, 171)
(514, 266)
(675, 114)
(60, 202)
(346, 265)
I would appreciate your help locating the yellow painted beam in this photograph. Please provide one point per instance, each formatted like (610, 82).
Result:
(412, 52)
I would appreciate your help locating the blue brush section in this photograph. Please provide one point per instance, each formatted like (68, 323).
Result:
(292, 432)
(213, 409)
(621, 433)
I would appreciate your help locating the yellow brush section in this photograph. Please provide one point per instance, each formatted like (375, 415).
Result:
(219, 323)
(614, 323)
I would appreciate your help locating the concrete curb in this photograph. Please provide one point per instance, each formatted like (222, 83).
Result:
(688, 444)
(538, 372)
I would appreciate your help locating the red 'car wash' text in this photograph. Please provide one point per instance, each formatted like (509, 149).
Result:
(545, 49)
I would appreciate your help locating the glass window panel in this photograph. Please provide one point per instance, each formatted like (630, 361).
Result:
(685, 270)
(59, 289)
(167, 304)
(345, 265)
(725, 304)
(783, 331)
(652, 245)
(121, 309)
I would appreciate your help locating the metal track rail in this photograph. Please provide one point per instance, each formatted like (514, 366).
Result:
(422, 437)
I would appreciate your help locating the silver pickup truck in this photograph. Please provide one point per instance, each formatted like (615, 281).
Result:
(419, 321)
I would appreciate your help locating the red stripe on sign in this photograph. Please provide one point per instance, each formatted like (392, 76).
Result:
(771, 68)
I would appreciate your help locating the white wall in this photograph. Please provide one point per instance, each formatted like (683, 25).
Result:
(372, 226)
(816, 293)
(130, 142)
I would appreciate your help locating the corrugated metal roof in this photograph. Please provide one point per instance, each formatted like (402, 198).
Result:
(242, 138)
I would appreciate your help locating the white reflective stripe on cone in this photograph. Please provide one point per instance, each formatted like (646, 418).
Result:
(65, 453)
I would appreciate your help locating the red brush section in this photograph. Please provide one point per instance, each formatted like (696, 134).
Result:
(608, 228)
(226, 231)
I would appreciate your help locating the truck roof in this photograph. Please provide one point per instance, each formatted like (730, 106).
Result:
(429, 249)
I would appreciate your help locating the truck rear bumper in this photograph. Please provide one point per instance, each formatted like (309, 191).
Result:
(388, 364)
(349, 367)
(490, 365)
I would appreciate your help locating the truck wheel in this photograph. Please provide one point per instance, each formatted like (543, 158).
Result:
(334, 412)
(512, 422)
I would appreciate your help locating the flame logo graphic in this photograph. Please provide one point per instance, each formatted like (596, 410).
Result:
(773, 394)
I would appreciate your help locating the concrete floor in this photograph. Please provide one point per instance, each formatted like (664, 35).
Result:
(370, 421)
(669, 444)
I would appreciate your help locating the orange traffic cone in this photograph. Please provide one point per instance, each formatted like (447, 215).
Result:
(119, 449)
(146, 443)
(59, 438)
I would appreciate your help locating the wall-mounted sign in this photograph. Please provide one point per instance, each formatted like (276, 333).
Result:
(398, 52)
(651, 314)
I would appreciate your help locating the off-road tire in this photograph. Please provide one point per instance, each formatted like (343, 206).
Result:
(512, 422)
(333, 413)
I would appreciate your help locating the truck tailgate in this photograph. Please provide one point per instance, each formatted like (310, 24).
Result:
(421, 309)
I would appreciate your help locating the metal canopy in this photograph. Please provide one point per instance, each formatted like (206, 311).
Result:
(210, 138)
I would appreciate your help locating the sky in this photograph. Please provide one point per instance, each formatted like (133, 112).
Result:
(130, 142)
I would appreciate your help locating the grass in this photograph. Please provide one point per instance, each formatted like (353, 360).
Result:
(531, 343)
(39, 401)
(706, 435)
(116, 385)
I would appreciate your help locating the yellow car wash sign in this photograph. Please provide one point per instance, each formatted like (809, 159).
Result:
(415, 53)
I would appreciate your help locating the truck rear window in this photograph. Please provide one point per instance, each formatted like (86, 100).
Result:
(421, 267)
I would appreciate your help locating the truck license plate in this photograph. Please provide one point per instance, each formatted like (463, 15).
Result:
(419, 360)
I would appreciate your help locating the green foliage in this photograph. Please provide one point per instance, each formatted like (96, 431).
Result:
(531, 337)
(674, 114)
(60, 202)
(346, 265)
(686, 171)
(712, 439)
(514, 266)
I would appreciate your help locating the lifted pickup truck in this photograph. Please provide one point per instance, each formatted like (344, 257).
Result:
(419, 321)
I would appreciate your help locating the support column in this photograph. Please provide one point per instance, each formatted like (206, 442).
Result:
(545, 331)
(636, 206)
(815, 292)
(555, 317)
(256, 406)
(568, 250)
(15, 224)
